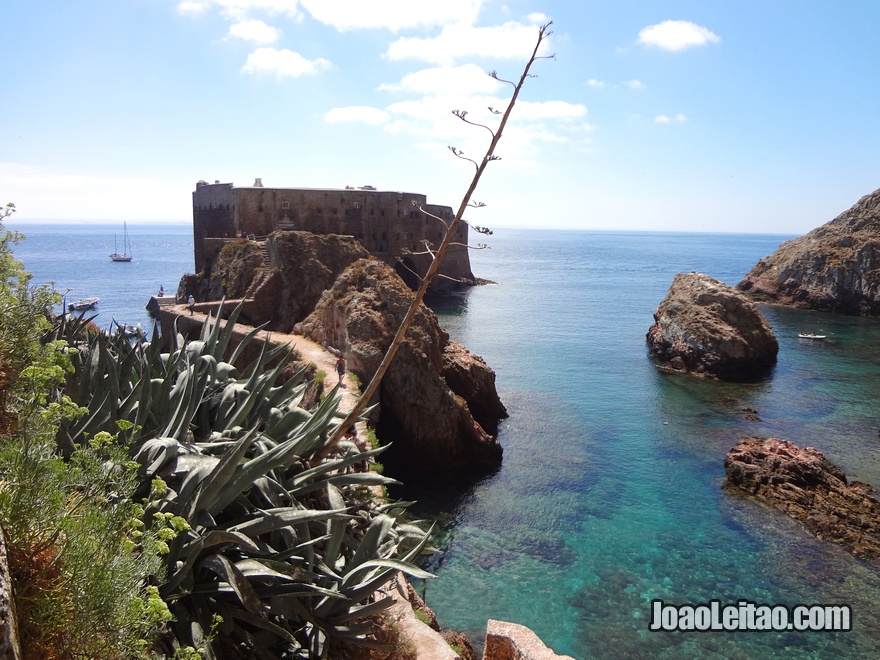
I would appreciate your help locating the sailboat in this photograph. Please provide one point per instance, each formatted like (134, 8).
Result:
(125, 255)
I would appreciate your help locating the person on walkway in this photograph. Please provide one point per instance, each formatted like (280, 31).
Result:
(191, 303)
(161, 291)
(340, 367)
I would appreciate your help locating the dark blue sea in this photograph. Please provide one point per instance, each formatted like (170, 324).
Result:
(610, 494)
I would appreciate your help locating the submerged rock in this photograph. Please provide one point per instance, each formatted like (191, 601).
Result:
(803, 483)
(834, 268)
(435, 432)
(708, 329)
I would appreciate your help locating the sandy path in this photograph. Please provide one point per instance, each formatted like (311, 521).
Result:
(311, 352)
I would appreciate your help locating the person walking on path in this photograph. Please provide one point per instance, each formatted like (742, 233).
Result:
(191, 302)
(340, 367)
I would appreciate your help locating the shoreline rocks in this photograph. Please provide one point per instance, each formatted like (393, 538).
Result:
(803, 483)
(707, 329)
(431, 387)
(834, 268)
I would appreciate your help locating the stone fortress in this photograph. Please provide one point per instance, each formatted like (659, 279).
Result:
(388, 224)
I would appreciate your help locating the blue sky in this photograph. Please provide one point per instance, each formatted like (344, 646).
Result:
(710, 115)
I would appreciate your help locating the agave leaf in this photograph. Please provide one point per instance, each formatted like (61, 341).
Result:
(280, 456)
(396, 564)
(296, 550)
(368, 548)
(272, 519)
(362, 611)
(335, 527)
(191, 551)
(155, 453)
(243, 589)
(207, 496)
(242, 345)
(263, 624)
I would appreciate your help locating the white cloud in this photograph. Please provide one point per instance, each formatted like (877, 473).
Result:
(677, 35)
(254, 30)
(540, 110)
(357, 113)
(635, 84)
(511, 40)
(394, 15)
(466, 80)
(283, 63)
(599, 84)
(665, 119)
(237, 9)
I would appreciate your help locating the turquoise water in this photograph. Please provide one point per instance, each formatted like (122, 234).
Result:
(610, 494)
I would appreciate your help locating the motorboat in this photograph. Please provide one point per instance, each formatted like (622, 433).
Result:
(810, 335)
(84, 304)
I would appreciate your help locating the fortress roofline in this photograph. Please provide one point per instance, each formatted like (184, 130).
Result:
(365, 188)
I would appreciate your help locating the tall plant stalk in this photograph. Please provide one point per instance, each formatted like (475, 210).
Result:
(361, 404)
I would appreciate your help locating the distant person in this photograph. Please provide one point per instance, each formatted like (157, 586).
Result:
(340, 367)
(161, 291)
(191, 302)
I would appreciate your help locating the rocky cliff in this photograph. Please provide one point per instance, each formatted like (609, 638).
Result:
(803, 483)
(708, 329)
(834, 268)
(434, 429)
(438, 400)
(282, 278)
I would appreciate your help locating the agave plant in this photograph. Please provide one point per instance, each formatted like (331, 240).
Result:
(279, 542)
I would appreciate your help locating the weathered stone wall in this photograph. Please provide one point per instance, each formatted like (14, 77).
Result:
(387, 223)
(212, 216)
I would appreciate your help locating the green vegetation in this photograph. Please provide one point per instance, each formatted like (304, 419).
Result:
(176, 505)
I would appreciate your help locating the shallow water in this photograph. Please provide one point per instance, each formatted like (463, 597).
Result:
(610, 494)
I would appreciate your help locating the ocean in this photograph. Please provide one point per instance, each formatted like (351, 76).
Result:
(611, 490)
(74, 258)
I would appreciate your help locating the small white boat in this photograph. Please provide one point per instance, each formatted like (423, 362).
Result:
(85, 303)
(810, 335)
(125, 255)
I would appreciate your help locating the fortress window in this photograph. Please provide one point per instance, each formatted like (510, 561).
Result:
(357, 205)
(285, 205)
(398, 213)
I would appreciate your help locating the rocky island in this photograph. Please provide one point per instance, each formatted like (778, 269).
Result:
(705, 328)
(834, 268)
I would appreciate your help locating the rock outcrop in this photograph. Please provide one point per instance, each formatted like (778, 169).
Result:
(708, 329)
(511, 641)
(803, 483)
(834, 268)
(434, 430)
(282, 278)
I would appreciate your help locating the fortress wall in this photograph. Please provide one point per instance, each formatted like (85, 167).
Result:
(213, 213)
(387, 223)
